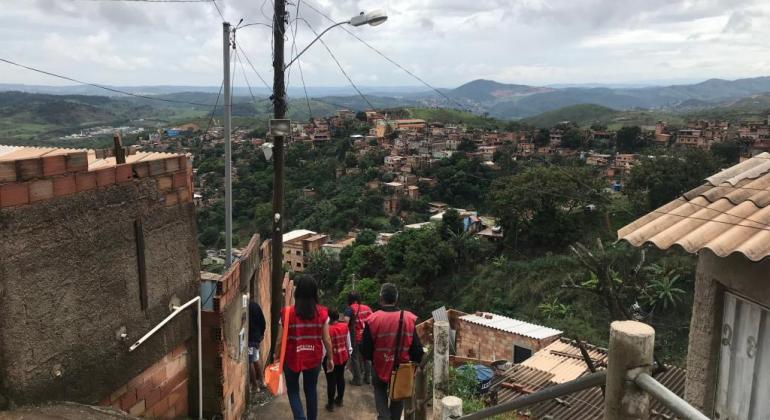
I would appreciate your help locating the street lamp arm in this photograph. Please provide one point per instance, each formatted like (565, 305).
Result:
(313, 42)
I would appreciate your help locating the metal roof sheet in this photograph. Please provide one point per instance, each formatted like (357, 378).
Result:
(294, 234)
(728, 214)
(513, 326)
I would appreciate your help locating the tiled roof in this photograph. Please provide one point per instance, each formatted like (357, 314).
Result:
(511, 325)
(588, 404)
(728, 214)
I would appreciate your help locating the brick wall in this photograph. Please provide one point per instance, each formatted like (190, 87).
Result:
(161, 391)
(32, 180)
(225, 339)
(489, 344)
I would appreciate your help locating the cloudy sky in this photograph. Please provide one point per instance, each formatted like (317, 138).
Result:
(447, 42)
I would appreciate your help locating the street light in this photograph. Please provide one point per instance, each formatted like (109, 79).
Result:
(373, 18)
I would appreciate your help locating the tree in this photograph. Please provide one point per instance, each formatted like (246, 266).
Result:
(547, 207)
(630, 139)
(451, 223)
(573, 138)
(326, 269)
(361, 116)
(366, 237)
(659, 179)
(728, 152)
(542, 137)
(467, 145)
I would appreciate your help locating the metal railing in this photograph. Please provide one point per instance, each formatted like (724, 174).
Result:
(668, 398)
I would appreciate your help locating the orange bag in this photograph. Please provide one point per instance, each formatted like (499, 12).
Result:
(274, 371)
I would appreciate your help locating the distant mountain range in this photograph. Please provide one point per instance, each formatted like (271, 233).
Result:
(500, 100)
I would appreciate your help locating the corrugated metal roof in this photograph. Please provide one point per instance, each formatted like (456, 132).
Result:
(294, 234)
(10, 153)
(511, 325)
(728, 214)
(563, 360)
(523, 379)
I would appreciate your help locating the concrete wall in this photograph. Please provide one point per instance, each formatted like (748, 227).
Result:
(715, 276)
(69, 285)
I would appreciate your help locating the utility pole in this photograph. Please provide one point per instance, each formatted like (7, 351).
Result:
(279, 106)
(228, 147)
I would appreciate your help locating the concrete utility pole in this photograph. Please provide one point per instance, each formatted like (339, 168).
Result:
(440, 365)
(226, 45)
(279, 106)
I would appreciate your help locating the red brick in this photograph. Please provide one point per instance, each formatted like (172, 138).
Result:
(157, 167)
(118, 393)
(165, 183)
(138, 409)
(27, 169)
(170, 413)
(85, 181)
(105, 177)
(145, 389)
(153, 398)
(172, 165)
(14, 194)
(77, 162)
(8, 171)
(183, 162)
(124, 173)
(159, 409)
(172, 199)
(159, 377)
(64, 185)
(180, 179)
(183, 194)
(179, 351)
(128, 400)
(142, 169)
(40, 190)
(54, 165)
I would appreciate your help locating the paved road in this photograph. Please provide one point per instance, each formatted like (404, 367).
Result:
(359, 404)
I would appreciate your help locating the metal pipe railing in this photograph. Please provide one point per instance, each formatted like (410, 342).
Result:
(560, 390)
(668, 398)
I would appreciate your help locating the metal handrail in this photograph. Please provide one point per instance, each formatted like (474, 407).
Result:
(560, 390)
(668, 398)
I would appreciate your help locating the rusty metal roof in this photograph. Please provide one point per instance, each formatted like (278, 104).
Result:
(728, 214)
(527, 378)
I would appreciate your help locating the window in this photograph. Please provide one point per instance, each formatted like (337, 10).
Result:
(299, 265)
(743, 382)
(521, 354)
(298, 252)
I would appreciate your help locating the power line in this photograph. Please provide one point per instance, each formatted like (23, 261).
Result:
(211, 119)
(246, 56)
(299, 64)
(219, 11)
(339, 65)
(243, 71)
(381, 54)
(151, 1)
(107, 88)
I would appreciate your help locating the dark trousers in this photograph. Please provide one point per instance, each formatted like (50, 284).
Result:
(335, 383)
(386, 409)
(309, 384)
(359, 366)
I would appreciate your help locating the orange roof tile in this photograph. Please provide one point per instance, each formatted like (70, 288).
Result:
(728, 214)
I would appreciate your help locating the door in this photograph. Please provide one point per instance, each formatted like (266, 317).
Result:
(743, 384)
(521, 354)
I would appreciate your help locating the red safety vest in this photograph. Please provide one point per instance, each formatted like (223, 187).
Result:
(384, 328)
(304, 344)
(363, 312)
(339, 334)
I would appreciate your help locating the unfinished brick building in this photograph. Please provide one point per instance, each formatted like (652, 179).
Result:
(93, 255)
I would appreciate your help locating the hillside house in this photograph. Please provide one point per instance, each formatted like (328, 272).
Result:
(298, 245)
(725, 221)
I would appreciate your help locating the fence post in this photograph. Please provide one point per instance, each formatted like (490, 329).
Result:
(631, 347)
(451, 408)
(420, 393)
(440, 365)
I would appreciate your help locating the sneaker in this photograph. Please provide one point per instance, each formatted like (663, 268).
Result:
(330, 408)
(338, 402)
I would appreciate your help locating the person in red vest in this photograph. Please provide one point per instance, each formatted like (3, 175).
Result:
(341, 350)
(379, 345)
(308, 337)
(355, 316)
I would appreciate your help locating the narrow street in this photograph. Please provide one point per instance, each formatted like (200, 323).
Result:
(359, 404)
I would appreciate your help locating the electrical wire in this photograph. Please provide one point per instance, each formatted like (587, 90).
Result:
(219, 11)
(381, 54)
(246, 79)
(338, 64)
(211, 118)
(246, 56)
(293, 51)
(149, 1)
(123, 92)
